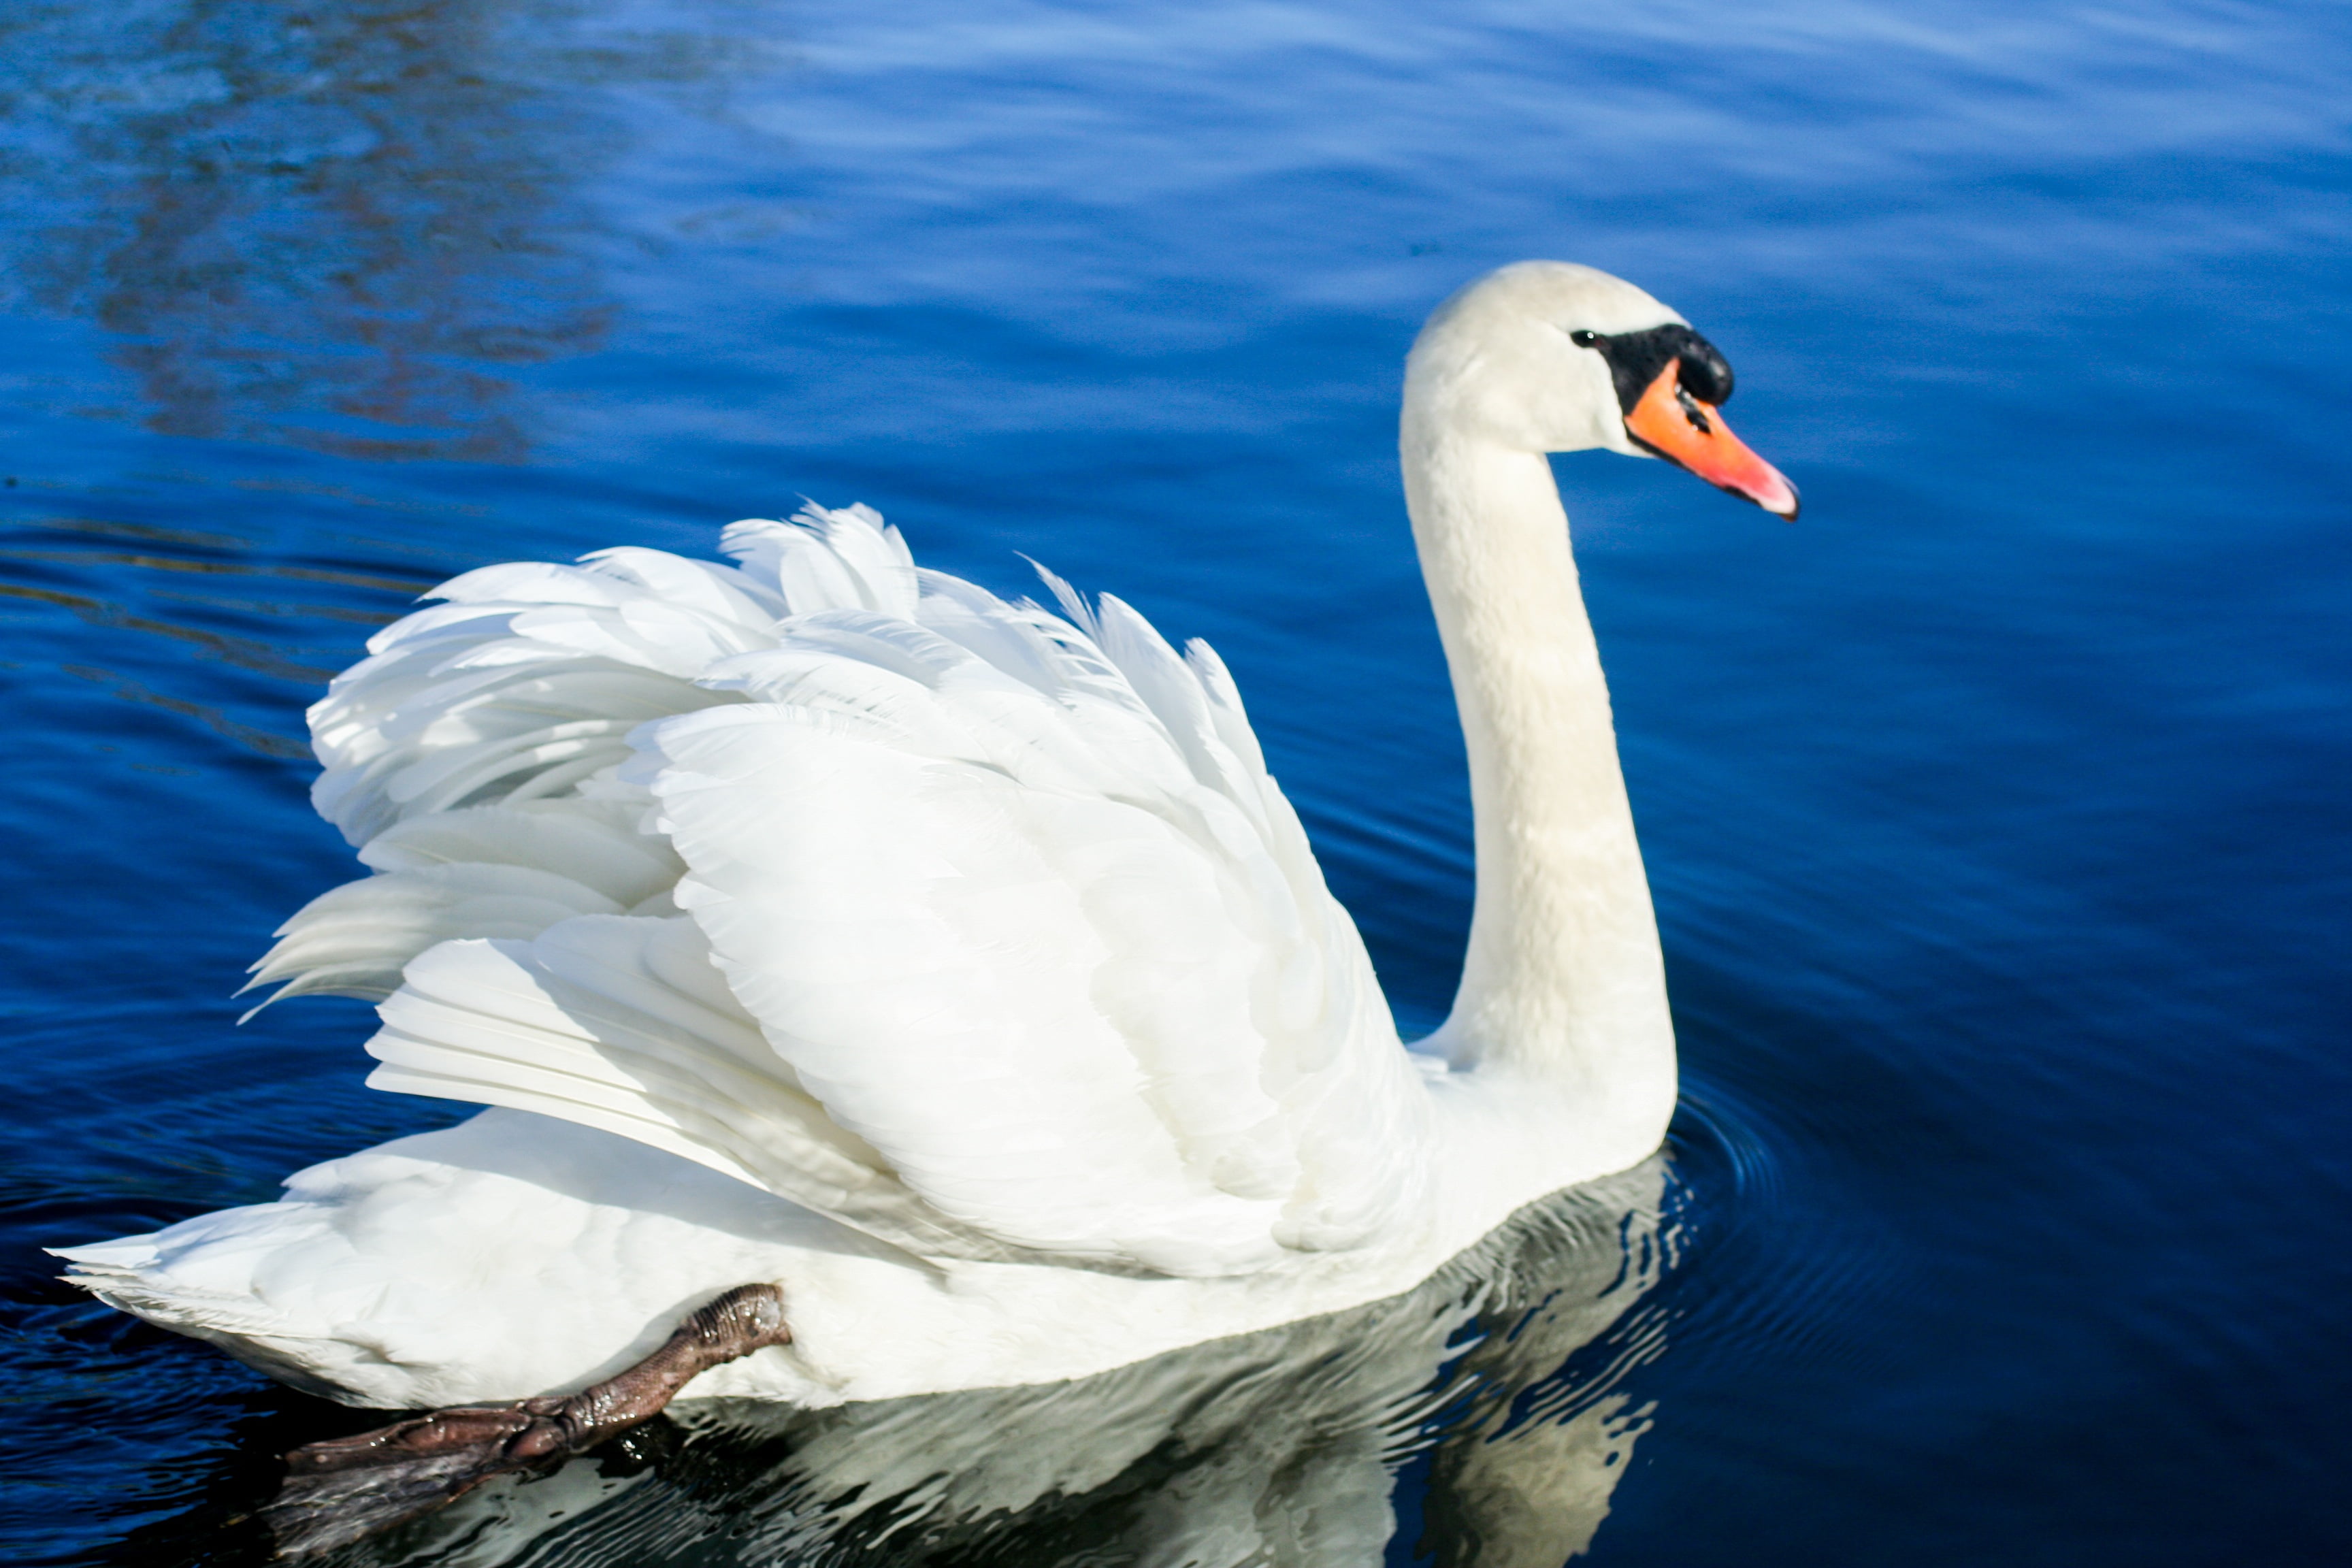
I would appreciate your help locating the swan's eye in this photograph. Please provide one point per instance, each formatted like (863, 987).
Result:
(1584, 340)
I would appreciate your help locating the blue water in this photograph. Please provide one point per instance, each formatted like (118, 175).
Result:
(1996, 811)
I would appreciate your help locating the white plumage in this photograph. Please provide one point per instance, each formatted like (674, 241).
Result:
(954, 962)
(979, 928)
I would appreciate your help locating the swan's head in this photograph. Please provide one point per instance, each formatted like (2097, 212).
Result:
(1547, 356)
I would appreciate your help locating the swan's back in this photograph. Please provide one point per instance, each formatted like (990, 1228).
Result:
(977, 926)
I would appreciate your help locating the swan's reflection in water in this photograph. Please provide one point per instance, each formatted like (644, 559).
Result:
(1504, 1371)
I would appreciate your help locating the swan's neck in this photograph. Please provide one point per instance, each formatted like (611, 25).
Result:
(1563, 980)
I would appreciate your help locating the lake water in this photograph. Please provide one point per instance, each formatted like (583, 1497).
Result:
(1996, 811)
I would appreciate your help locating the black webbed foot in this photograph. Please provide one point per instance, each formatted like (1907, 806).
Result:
(340, 1490)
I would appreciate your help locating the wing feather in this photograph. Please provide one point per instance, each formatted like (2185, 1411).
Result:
(605, 1021)
(981, 927)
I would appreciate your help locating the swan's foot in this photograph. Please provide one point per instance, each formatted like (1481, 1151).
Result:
(340, 1490)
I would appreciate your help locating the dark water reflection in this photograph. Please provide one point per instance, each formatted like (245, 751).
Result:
(338, 226)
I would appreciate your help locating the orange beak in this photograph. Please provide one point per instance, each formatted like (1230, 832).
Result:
(1680, 429)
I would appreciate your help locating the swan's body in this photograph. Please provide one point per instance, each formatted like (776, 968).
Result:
(953, 964)
(1280, 1447)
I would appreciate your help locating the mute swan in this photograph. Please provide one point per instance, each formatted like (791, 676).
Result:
(952, 970)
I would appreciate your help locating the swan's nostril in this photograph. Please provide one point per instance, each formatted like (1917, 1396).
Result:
(1691, 412)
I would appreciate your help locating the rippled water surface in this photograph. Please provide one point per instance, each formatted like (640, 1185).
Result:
(1996, 811)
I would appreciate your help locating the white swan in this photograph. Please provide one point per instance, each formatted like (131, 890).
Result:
(953, 965)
